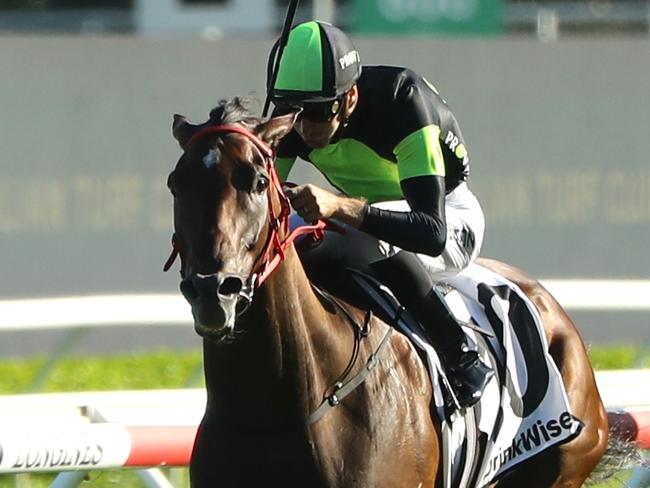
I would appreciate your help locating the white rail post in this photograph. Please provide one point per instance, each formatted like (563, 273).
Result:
(640, 478)
(153, 478)
(69, 479)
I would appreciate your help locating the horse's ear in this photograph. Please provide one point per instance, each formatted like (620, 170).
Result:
(274, 129)
(182, 130)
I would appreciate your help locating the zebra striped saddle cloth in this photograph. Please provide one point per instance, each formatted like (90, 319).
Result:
(524, 409)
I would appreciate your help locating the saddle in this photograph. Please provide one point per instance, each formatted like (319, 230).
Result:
(517, 418)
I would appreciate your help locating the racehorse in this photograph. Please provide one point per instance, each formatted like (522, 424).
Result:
(274, 347)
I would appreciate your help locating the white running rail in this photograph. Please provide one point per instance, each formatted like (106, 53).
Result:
(172, 309)
(73, 432)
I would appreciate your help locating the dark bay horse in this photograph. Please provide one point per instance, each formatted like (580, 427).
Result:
(268, 368)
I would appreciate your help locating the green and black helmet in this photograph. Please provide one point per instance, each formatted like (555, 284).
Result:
(319, 64)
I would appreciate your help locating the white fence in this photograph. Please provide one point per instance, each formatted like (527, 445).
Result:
(98, 430)
(77, 432)
(172, 309)
(73, 433)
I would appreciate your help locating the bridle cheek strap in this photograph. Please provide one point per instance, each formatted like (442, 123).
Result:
(275, 247)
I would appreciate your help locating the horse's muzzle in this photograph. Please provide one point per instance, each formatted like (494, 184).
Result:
(214, 301)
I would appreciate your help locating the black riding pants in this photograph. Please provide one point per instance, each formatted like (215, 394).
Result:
(403, 273)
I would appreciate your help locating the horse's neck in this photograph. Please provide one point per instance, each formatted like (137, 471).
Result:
(273, 368)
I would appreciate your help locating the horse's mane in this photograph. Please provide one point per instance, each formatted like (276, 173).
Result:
(235, 110)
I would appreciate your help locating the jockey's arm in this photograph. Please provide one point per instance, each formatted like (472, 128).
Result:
(320, 203)
(423, 229)
(421, 168)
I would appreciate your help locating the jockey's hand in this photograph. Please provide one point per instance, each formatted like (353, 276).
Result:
(314, 203)
(311, 202)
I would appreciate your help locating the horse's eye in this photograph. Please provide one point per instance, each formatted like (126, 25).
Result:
(262, 184)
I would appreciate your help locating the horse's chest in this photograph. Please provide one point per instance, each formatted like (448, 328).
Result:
(241, 459)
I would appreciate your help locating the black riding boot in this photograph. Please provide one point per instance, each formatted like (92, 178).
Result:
(405, 275)
(468, 374)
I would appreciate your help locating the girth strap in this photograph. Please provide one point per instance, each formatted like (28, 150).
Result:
(343, 388)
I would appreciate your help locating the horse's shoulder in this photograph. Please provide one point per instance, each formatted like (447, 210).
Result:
(405, 360)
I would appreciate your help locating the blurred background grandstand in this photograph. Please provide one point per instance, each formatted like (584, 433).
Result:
(209, 18)
(552, 97)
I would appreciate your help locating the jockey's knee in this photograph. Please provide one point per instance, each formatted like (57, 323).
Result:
(405, 275)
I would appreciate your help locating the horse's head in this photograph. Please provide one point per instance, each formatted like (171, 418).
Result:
(223, 194)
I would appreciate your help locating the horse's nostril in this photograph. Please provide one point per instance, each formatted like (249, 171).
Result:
(230, 286)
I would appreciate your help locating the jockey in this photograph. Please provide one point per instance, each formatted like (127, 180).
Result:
(387, 140)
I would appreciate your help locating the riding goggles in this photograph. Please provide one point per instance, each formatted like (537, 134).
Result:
(315, 112)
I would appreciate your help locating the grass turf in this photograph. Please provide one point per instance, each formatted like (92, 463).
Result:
(170, 369)
(155, 370)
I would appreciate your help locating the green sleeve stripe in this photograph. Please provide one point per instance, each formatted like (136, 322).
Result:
(420, 154)
(283, 166)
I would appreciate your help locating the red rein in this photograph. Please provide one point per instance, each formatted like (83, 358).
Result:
(275, 248)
